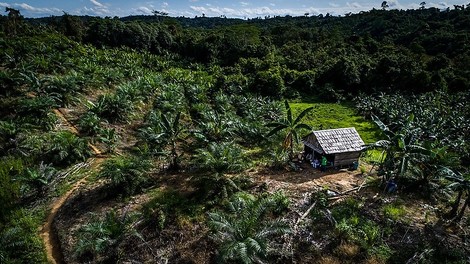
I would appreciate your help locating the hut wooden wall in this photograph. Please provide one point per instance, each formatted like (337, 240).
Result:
(347, 158)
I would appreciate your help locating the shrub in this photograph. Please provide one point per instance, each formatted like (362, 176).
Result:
(279, 159)
(64, 148)
(114, 108)
(219, 158)
(216, 185)
(35, 179)
(64, 89)
(101, 234)
(19, 242)
(109, 138)
(37, 111)
(126, 175)
(244, 231)
(8, 133)
(281, 202)
(167, 205)
(89, 123)
(10, 187)
(364, 232)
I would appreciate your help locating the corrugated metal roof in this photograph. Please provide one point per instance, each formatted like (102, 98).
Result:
(333, 141)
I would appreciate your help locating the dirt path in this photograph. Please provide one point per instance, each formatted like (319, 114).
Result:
(48, 234)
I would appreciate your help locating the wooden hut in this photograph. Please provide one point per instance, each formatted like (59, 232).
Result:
(341, 146)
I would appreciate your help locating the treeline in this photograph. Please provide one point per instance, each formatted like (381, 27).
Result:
(333, 58)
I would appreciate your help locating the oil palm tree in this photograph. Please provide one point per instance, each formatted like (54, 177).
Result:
(292, 126)
(219, 157)
(214, 162)
(101, 234)
(66, 148)
(244, 232)
(126, 174)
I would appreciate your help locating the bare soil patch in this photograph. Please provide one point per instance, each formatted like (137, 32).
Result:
(308, 179)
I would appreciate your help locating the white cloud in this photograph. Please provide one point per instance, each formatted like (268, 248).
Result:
(354, 5)
(394, 4)
(239, 9)
(144, 10)
(96, 3)
(98, 9)
(25, 8)
(252, 12)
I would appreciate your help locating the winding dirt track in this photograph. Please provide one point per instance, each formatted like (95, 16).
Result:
(48, 234)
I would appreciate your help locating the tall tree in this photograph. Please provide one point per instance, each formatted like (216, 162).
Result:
(384, 5)
(14, 20)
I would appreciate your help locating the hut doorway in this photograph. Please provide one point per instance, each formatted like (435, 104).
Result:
(311, 155)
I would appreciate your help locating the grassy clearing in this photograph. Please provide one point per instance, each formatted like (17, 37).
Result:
(373, 156)
(329, 115)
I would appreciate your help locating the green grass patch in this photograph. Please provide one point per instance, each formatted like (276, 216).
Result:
(394, 211)
(330, 115)
(167, 206)
(373, 156)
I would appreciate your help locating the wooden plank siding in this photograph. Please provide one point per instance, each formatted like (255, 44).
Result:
(344, 144)
(346, 159)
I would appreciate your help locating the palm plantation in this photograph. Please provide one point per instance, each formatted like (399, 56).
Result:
(187, 113)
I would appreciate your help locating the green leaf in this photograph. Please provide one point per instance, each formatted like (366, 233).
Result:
(276, 129)
(288, 112)
(379, 123)
(303, 126)
(306, 111)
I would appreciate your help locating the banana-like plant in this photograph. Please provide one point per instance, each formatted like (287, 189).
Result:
(165, 132)
(459, 183)
(400, 148)
(292, 127)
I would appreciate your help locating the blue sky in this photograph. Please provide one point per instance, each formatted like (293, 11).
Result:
(191, 8)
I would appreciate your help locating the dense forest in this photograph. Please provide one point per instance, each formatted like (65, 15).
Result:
(156, 139)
